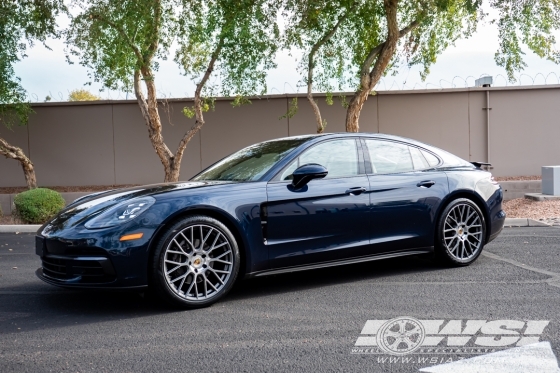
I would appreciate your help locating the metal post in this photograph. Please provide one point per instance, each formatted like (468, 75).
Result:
(488, 125)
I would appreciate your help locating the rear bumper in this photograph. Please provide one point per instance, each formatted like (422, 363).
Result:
(496, 225)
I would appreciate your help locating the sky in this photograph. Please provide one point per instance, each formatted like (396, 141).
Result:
(46, 73)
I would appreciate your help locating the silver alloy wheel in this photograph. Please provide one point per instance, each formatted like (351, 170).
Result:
(462, 232)
(198, 262)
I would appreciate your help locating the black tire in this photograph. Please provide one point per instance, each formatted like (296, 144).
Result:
(177, 260)
(460, 238)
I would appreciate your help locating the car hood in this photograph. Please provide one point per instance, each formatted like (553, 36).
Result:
(88, 206)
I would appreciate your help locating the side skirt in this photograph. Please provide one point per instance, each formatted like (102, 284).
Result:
(361, 259)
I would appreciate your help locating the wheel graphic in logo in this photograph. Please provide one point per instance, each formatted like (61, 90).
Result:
(401, 336)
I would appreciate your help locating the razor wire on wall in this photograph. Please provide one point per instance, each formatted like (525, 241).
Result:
(385, 84)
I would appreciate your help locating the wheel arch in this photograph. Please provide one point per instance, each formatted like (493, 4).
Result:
(468, 194)
(209, 211)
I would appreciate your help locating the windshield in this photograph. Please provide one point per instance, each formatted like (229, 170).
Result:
(251, 163)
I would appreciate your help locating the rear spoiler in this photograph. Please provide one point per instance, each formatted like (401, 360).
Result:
(480, 164)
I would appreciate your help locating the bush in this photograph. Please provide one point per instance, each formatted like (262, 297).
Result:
(36, 206)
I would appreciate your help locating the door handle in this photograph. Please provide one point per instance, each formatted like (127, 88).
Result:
(425, 184)
(355, 191)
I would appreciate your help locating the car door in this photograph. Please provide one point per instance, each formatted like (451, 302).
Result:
(406, 190)
(328, 218)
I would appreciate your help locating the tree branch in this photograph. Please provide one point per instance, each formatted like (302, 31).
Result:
(121, 32)
(155, 42)
(199, 122)
(311, 65)
(375, 51)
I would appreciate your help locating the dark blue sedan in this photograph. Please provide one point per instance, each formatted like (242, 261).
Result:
(279, 206)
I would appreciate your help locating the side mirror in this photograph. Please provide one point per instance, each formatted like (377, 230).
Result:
(304, 174)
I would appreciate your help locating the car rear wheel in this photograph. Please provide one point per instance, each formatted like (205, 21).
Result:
(195, 262)
(461, 233)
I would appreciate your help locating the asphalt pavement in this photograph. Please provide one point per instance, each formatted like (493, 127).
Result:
(307, 321)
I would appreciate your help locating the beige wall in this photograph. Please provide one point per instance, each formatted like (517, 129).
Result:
(103, 143)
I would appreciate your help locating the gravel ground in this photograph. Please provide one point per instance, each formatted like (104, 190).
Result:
(547, 211)
(516, 178)
(9, 220)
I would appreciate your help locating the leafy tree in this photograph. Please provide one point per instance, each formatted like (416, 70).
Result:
(311, 26)
(234, 39)
(356, 42)
(21, 23)
(120, 42)
(82, 95)
(526, 22)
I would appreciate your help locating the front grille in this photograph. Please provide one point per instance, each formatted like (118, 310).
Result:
(78, 269)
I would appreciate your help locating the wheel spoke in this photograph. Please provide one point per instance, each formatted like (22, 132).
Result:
(182, 282)
(205, 238)
(222, 255)
(215, 274)
(179, 278)
(179, 246)
(176, 263)
(172, 270)
(205, 288)
(213, 287)
(216, 247)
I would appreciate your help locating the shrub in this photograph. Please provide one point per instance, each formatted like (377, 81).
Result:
(36, 206)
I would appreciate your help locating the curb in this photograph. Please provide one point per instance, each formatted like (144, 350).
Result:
(523, 222)
(19, 228)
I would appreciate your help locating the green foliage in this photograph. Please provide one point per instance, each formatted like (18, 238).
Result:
(36, 206)
(22, 22)
(342, 60)
(240, 100)
(239, 37)
(82, 95)
(292, 109)
(528, 22)
(329, 98)
(116, 38)
(207, 104)
(363, 27)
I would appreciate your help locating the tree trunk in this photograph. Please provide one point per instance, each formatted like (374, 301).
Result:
(354, 110)
(321, 124)
(149, 109)
(13, 152)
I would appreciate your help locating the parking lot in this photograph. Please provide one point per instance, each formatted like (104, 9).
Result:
(306, 321)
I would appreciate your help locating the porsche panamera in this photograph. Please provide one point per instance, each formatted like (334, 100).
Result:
(279, 206)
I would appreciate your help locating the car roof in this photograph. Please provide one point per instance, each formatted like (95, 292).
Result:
(319, 136)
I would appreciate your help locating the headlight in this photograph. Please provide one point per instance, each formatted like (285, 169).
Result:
(121, 213)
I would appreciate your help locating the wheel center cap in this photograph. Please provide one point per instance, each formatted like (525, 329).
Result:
(460, 231)
(197, 262)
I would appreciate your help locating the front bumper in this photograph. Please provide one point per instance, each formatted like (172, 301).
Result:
(39, 273)
(92, 262)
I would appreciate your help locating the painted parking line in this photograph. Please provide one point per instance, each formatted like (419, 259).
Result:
(533, 358)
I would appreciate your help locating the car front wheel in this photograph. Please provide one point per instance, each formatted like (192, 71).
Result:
(195, 263)
(461, 233)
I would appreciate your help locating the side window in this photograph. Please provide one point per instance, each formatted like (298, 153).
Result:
(432, 159)
(418, 159)
(389, 157)
(339, 157)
